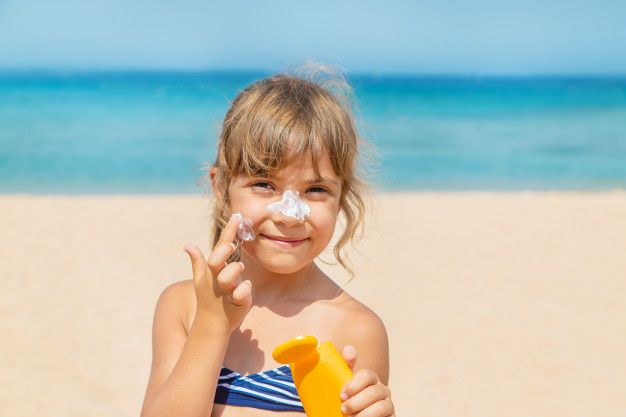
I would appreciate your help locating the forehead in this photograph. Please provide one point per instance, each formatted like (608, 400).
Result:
(304, 166)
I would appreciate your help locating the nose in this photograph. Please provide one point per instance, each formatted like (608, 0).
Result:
(289, 208)
(281, 218)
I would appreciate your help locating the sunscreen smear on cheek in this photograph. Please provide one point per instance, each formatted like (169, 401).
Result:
(244, 229)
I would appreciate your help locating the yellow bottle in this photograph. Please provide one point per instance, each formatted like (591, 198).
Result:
(319, 373)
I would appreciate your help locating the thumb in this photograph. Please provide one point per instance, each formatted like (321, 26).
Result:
(349, 355)
(198, 264)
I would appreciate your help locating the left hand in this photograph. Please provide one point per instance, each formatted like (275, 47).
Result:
(365, 395)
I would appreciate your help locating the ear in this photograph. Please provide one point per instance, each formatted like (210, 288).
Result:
(214, 187)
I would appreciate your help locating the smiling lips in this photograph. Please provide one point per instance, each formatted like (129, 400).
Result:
(285, 241)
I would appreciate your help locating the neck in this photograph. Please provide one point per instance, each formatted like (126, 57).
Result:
(268, 286)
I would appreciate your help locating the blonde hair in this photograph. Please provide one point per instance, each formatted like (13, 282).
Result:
(281, 117)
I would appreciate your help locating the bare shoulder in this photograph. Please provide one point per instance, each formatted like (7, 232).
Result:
(178, 292)
(179, 299)
(359, 320)
(179, 288)
(361, 327)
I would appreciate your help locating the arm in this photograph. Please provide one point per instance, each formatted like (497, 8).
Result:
(367, 392)
(185, 368)
(371, 339)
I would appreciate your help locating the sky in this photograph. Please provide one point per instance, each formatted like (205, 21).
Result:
(427, 37)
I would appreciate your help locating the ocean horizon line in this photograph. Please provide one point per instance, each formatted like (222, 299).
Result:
(384, 75)
(114, 131)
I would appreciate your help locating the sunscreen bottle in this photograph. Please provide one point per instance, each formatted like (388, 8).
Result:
(319, 373)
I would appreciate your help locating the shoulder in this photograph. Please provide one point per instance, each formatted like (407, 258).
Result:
(365, 325)
(361, 327)
(177, 291)
(177, 301)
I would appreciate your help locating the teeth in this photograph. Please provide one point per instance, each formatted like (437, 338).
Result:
(244, 230)
(291, 206)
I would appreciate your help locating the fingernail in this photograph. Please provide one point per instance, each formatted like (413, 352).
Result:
(344, 409)
(242, 265)
(344, 396)
(233, 245)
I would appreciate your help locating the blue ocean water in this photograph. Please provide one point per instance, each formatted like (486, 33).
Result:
(138, 132)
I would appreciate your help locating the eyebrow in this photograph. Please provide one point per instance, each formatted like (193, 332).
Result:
(323, 179)
(310, 180)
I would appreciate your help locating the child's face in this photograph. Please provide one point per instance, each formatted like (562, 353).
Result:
(250, 196)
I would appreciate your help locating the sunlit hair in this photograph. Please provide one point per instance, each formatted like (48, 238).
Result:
(279, 118)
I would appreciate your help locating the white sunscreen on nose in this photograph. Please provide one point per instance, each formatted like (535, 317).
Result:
(244, 229)
(291, 205)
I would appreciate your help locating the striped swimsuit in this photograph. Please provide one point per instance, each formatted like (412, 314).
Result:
(270, 390)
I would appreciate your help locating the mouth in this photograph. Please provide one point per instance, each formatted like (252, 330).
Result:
(286, 242)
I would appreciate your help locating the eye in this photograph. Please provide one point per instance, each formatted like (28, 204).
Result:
(317, 190)
(264, 185)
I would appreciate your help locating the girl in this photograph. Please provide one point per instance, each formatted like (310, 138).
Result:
(213, 335)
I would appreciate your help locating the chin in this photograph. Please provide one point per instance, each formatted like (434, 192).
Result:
(280, 263)
(283, 267)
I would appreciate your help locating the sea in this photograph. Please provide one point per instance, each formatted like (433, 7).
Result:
(142, 132)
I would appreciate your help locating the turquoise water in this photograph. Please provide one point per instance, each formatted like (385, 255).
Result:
(151, 132)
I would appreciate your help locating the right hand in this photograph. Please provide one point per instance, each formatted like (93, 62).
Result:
(222, 299)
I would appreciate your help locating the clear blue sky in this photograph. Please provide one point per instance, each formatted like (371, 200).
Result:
(475, 37)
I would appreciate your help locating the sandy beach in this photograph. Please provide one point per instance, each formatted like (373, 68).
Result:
(496, 304)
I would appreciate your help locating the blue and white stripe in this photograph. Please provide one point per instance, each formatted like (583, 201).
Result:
(269, 390)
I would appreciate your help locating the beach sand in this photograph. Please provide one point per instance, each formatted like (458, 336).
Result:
(496, 304)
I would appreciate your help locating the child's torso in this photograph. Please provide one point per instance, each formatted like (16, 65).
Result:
(250, 347)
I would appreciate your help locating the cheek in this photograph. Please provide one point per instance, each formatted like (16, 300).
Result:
(324, 220)
(254, 209)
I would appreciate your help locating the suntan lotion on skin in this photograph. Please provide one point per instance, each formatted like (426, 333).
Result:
(319, 373)
(291, 205)
(245, 232)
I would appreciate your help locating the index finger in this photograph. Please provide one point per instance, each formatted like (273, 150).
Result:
(229, 233)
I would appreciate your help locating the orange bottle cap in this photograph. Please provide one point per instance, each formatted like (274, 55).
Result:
(295, 349)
